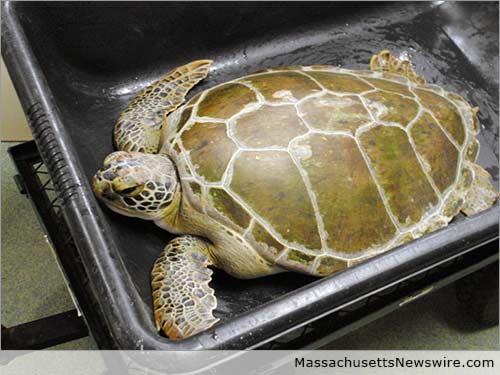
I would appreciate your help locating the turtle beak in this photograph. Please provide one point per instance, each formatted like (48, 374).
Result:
(102, 188)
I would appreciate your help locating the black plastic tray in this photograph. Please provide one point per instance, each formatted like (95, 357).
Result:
(75, 67)
(34, 181)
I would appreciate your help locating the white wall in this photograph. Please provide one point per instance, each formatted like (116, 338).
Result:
(14, 126)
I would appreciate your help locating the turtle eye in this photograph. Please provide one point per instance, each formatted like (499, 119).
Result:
(128, 190)
(131, 191)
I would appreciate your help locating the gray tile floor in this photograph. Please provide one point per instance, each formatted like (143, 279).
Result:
(32, 288)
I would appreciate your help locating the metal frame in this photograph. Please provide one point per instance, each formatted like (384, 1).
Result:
(34, 181)
(44, 333)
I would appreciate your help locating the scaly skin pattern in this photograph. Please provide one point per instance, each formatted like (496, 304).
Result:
(183, 308)
(137, 184)
(314, 169)
(139, 126)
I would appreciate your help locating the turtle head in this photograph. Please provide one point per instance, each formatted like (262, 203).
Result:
(138, 185)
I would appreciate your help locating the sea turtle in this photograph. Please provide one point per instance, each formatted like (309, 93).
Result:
(306, 168)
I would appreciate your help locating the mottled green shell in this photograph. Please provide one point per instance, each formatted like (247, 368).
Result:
(320, 167)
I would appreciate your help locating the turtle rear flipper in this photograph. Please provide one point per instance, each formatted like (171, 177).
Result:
(139, 126)
(481, 195)
(183, 301)
(387, 62)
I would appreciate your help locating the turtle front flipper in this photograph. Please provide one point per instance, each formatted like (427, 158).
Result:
(385, 61)
(139, 126)
(183, 301)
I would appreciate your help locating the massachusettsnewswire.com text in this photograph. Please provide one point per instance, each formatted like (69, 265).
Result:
(396, 362)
